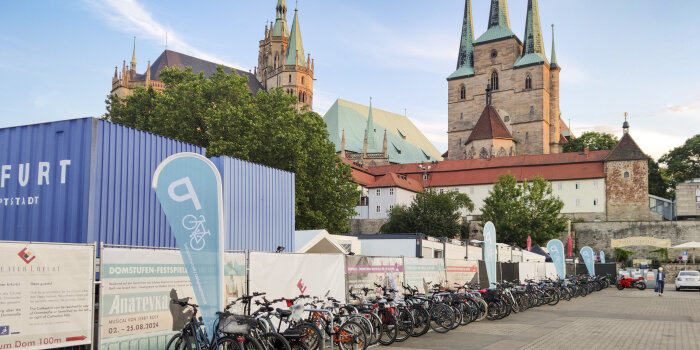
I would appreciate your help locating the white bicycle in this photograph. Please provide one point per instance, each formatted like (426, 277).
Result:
(196, 225)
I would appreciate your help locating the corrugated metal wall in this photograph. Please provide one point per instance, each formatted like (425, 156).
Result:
(124, 207)
(51, 208)
(258, 205)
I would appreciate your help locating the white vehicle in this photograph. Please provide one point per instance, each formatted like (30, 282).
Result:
(688, 279)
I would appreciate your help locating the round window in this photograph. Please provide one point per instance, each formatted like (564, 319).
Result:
(494, 53)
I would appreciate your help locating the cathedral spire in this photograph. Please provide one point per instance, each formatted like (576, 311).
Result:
(533, 45)
(498, 16)
(280, 27)
(371, 131)
(553, 63)
(295, 50)
(532, 41)
(465, 59)
(133, 57)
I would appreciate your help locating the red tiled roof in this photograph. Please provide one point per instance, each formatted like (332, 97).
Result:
(394, 180)
(359, 173)
(489, 126)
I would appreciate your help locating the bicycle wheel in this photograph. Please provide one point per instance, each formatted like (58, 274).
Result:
(483, 309)
(239, 342)
(351, 336)
(441, 318)
(366, 325)
(457, 317)
(274, 341)
(493, 311)
(178, 343)
(311, 335)
(389, 329)
(376, 328)
(467, 313)
(299, 345)
(404, 321)
(422, 321)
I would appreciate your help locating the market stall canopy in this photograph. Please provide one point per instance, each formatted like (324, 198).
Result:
(687, 245)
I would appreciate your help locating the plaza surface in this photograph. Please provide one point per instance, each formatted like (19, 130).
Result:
(609, 319)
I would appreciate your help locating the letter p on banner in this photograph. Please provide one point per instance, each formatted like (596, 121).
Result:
(189, 189)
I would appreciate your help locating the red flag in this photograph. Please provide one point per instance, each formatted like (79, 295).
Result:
(529, 244)
(568, 247)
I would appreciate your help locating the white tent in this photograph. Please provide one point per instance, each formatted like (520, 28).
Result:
(688, 246)
(320, 241)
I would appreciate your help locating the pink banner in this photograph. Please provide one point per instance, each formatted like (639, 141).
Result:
(374, 268)
(460, 268)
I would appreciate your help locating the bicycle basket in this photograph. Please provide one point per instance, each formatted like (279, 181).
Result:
(235, 324)
(297, 312)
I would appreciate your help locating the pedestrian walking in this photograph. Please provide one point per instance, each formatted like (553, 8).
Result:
(660, 276)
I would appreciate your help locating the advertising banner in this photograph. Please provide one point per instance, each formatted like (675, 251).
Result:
(365, 271)
(46, 295)
(137, 286)
(283, 275)
(423, 273)
(527, 270)
(461, 271)
(490, 252)
(555, 248)
(189, 189)
(602, 257)
(587, 255)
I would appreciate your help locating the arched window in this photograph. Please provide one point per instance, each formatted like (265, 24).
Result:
(484, 153)
(528, 82)
(462, 93)
(461, 116)
(494, 81)
(302, 80)
(627, 174)
(502, 152)
(290, 78)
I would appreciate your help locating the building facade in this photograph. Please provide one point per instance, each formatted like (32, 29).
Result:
(688, 199)
(524, 84)
(281, 64)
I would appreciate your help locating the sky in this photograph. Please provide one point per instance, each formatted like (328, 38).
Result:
(57, 58)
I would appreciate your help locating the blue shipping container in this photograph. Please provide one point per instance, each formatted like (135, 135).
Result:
(89, 180)
(258, 205)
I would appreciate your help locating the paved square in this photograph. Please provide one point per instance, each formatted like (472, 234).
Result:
(608, 319)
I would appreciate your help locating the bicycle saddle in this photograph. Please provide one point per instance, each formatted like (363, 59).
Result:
(284, 313)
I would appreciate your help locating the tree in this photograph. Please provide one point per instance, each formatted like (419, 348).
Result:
(594, 141)
(683, 162)
(431, 213)
(658, 184)
(219, 113)
(519, 210)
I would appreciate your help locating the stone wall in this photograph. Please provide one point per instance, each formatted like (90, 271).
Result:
(597, 235)
(627, 198)
(366, 226)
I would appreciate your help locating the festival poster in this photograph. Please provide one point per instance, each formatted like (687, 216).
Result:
(423, 273)
(369, 271)
(137, 287)
(46, 295)
(460, 271)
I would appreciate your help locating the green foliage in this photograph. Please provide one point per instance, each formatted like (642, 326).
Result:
(431, 213)
(683, 162)
(658, 183)
(519, 210)
(594, 141)
(219, 113)
(662, 253)
(623, 255)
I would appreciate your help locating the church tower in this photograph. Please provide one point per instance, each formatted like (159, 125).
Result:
(523, 83)
(281, 59)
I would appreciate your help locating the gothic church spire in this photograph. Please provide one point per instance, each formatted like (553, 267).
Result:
(280, 27)
(553, 63)
(465, 60)
(371, 131)
(533, 45)
(133, 57)
(498, 16)
(295, 50)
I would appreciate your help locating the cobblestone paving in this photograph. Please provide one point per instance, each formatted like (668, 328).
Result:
(604, 320)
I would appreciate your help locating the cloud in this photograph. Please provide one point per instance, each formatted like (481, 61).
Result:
(131, 17)
(683, 109)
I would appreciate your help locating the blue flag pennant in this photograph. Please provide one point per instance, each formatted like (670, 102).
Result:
(490, 252)
(189, 189)
(602, 257)
(587, 255)
(556, 250)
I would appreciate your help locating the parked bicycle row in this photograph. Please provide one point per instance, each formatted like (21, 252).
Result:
(381, 315)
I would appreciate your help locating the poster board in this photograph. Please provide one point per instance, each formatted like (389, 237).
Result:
(289, 275)
(462, 271)
(137, 286)
(365, 271)
(423, 273)
(46, 295)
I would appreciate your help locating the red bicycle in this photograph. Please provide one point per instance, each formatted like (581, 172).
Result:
(631, 283)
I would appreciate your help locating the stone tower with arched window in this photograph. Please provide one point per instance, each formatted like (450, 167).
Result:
(525, 83)
(281, 59)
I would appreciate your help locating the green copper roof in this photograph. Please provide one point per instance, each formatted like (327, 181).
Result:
(133, 57)
(554, 53)
(533, 46)
(499, 23)
(498, 16)
(280, 26)
(465, 60)
(295, 48)
(406, 143)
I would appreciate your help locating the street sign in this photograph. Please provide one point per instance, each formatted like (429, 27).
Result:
(685, 255)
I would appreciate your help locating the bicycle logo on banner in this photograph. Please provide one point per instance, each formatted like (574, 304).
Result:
(197, 230)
